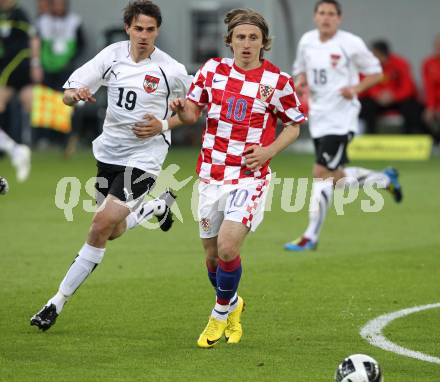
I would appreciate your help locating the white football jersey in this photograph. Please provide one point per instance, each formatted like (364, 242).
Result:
(330, 66)
(133, 90)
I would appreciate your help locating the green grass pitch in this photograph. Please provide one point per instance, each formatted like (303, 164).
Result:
(138, 316)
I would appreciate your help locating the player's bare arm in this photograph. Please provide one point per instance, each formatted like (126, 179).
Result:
(36, 69)
(256, 155)
(368, 81)
(73, 96)
(300, 83)
(188, 112)
(300, 80)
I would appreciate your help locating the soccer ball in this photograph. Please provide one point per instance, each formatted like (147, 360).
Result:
(4, 186)
(358, 368)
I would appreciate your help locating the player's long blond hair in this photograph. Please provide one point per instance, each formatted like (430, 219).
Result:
(241, 16)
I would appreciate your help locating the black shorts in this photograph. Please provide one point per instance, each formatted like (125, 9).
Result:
(110, 180)
(20, 76)
(331, 150)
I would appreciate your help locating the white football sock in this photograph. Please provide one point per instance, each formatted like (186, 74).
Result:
(233, 303)
(220, 312)
(131, 220)
(7, 144)
(146, 211)
(362, 175)
(321, 200)
(58, 300)
(86, 261)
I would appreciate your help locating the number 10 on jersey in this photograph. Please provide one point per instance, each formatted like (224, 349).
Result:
(236, 108)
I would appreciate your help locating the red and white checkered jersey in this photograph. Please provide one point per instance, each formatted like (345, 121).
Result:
(243, 107)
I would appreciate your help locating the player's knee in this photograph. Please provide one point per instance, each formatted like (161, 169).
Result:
(211, 253)
(321, 172)
(227, 251)
(102, 226)
(211, 250)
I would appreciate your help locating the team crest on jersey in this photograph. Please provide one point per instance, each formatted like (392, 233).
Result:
(265, 92)
(334, 58)
(205, 224)
(151, 83)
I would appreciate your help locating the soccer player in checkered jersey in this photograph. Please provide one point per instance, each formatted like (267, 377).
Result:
(140, 79)
(329, 61)
(244, 97)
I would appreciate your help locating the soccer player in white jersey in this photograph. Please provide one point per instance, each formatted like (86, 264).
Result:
(244, 96)
(329, 61)
(140, 79)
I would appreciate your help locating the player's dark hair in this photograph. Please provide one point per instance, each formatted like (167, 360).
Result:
(381, 46)
(240, 16)
(334, 2)
(141, 7)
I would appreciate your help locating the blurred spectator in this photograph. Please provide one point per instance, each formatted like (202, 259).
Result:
(396, 92)
(62, 41)
(431, 81)
(19, 65)
(43, 7)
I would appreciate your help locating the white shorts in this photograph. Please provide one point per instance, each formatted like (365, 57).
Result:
(243, 203)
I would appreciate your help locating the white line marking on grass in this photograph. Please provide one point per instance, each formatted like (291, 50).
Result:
(372, 332)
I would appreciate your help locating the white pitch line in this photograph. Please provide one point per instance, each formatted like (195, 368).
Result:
(372, 332)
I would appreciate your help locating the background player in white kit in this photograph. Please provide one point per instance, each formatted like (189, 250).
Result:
(329, 61)
(244, 97)
(140, 79)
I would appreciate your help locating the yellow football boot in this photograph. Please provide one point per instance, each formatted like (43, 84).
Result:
(212, 333)
(234, 331)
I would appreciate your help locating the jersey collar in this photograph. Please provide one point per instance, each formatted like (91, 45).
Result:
(250, 71)
(150, 57)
